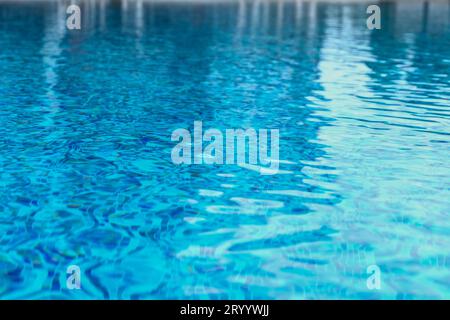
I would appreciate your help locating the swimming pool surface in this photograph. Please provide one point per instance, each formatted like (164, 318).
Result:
(86, 176)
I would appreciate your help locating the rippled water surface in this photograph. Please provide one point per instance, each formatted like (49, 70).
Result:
(86, 176)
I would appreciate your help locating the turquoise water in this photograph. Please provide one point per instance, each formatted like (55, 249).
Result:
(86, 176)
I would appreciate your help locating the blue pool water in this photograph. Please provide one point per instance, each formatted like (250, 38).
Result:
(86, 176)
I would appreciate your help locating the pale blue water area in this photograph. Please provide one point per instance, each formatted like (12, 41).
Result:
(86, 176)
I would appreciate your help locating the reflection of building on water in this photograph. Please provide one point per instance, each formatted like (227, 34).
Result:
(404, 15)
(408, 15)
(298, 25)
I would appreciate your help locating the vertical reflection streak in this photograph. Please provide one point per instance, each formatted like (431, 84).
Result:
(241, 17)
(280, 15)
(54, 33)
(256, 12)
